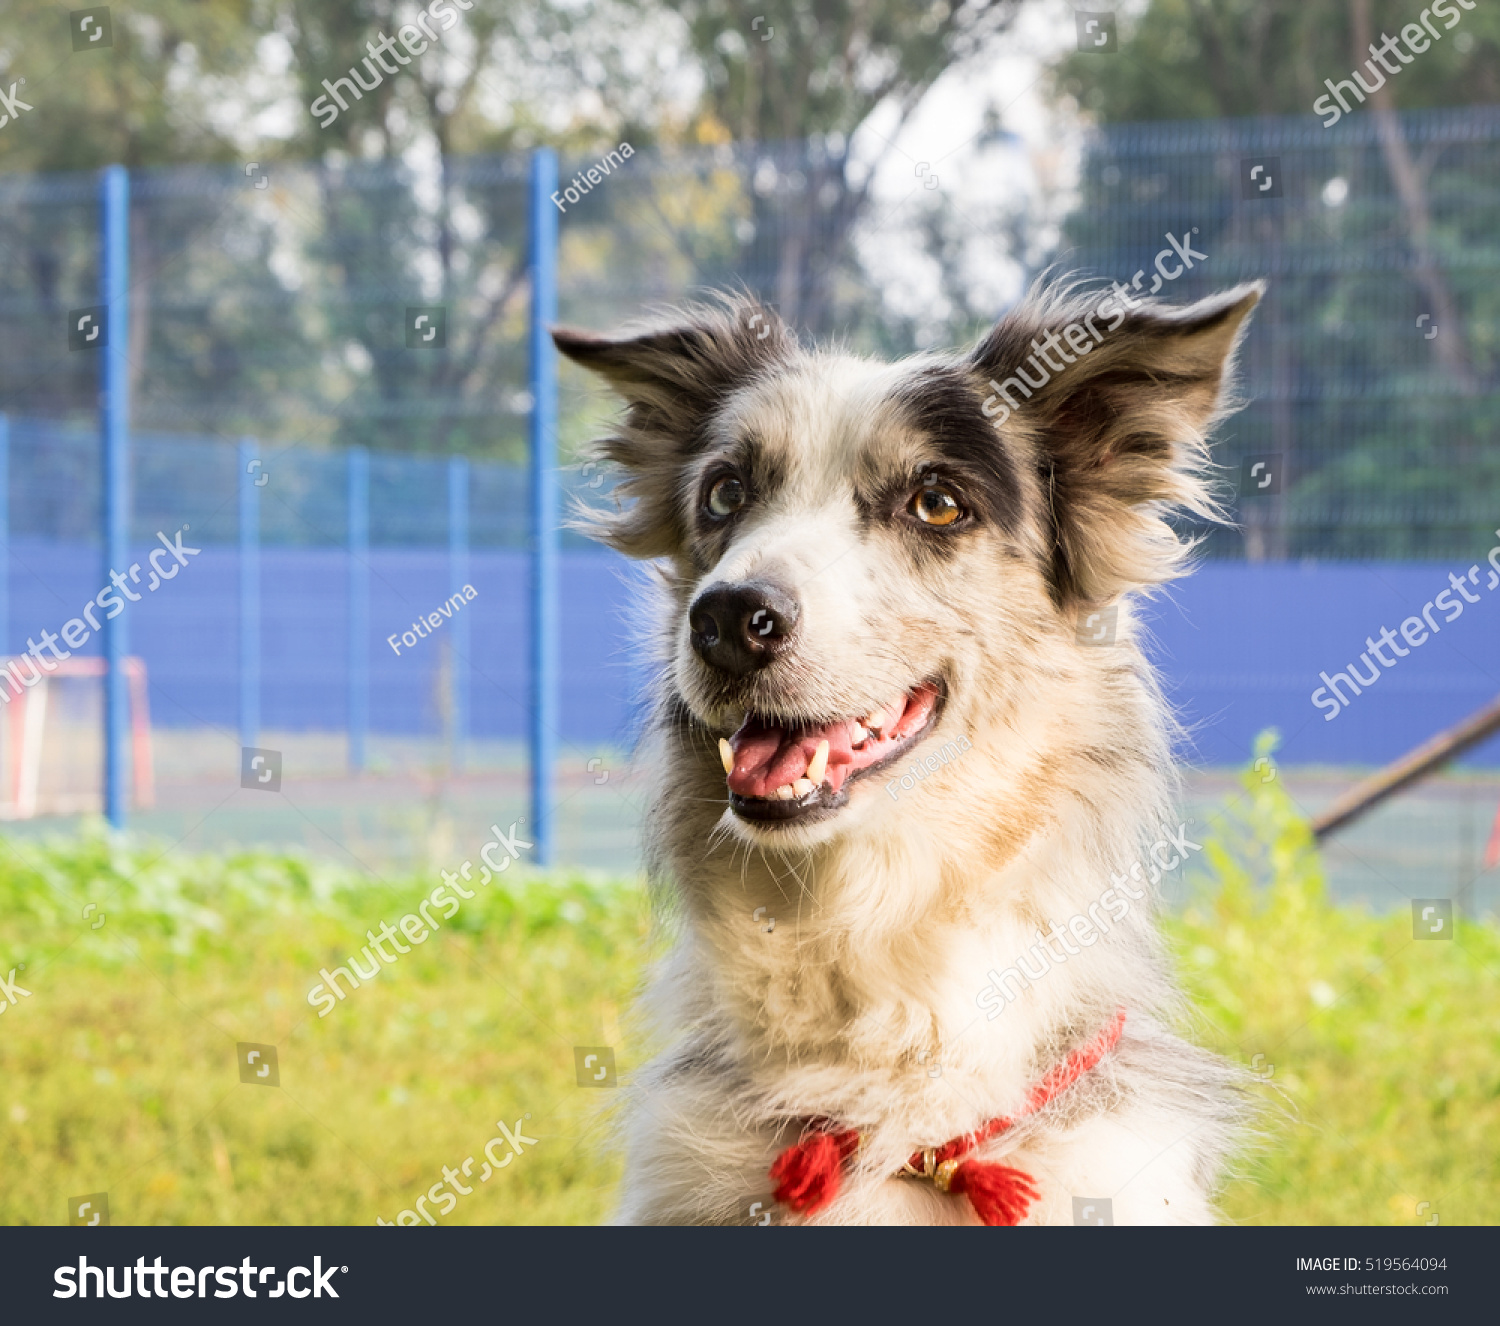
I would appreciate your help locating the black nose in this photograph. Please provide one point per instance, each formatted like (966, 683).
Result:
(738, 628)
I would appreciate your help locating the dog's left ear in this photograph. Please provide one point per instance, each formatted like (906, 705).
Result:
(1118, 432)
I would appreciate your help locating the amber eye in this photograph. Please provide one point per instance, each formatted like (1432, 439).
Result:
(726, 496)
(934, 505)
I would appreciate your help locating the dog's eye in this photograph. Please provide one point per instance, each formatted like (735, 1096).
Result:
(726, 496)
(934, 505)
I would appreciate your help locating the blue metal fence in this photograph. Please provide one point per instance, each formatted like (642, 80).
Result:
(286, 311)
(109, 325)
(249, 632)
(325, 609)
(114, 421)
(543, 264)
(359, 604)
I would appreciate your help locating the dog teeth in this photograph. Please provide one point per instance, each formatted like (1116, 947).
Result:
(859, 734)
(785, 793)
(726, 753)
(818, 765)
(803, 786)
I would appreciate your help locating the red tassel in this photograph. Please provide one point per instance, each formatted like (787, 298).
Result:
(807, 1175)
(1000, 1195)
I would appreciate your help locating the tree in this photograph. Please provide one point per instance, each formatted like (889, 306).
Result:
(1206, 59)
(475, 90)
(796, 72)
(143, 100)
(140, 100)
(1416, 210)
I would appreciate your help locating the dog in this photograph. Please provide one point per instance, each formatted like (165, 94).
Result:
(887, 765)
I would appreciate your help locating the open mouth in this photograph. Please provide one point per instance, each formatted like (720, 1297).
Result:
(783, 772)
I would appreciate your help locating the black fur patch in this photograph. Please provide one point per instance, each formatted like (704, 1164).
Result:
(943, 405)
(761, 468)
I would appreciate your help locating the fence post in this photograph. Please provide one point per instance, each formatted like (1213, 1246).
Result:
(4, 532)
(249, 486)
(359, 605)
(458, 577)
(544, 653)
(114, 412)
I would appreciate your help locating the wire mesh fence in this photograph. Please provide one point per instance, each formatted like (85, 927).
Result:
(1370, 368)
(276, 302)
(307, 315)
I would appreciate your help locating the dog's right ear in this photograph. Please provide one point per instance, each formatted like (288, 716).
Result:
(1119, 430)
(673, 381)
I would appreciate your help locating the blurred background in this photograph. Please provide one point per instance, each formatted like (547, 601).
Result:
(891, 173)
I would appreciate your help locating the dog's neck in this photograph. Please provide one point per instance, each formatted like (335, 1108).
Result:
(871, 948)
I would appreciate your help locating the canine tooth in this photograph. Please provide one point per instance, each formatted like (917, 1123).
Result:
(785, 793)
(726, 753)
(803, 786)
(818, 765)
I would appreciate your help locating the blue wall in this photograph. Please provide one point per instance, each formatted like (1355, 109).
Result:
(1240, 646)
(186, 630)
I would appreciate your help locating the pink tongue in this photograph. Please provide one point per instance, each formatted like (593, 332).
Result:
(767, 756)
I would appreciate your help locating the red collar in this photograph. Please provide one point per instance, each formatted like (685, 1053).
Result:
(808, 1174)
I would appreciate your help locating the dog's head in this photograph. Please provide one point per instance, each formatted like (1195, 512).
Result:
(866, 556)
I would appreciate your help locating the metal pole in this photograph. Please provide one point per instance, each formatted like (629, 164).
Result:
(249, 593)
(458, 577)
(359, 605)
(114, 412)
(1416, 764)
(544, 654)
(4, 531)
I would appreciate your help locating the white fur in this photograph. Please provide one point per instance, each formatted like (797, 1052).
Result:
(889, 914)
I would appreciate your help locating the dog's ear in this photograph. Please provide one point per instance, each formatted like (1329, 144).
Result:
(1119, 433)
(673, 380)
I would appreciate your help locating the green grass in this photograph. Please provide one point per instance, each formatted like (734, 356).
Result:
(118, 1073)
(1385, 1093)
